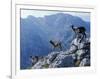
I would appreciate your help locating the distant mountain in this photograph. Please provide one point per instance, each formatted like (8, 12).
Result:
(35, 34)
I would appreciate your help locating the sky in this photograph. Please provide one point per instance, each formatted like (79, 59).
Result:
(25, 13)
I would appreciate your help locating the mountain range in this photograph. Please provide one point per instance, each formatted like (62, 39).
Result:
(36, 32)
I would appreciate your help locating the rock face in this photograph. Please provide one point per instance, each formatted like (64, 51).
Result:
(78, 55)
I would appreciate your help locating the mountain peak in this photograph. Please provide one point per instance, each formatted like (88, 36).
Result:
(36, 33)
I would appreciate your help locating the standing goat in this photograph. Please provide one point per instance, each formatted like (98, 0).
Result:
(56, 45)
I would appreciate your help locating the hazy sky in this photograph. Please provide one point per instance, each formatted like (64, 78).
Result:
(37, 13)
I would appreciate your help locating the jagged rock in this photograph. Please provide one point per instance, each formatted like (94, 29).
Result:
(62, 61)
(67, 58)
(85, 62)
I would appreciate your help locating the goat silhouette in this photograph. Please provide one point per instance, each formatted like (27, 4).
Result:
(56, 44)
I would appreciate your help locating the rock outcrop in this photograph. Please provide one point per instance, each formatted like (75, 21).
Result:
(77, 56)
